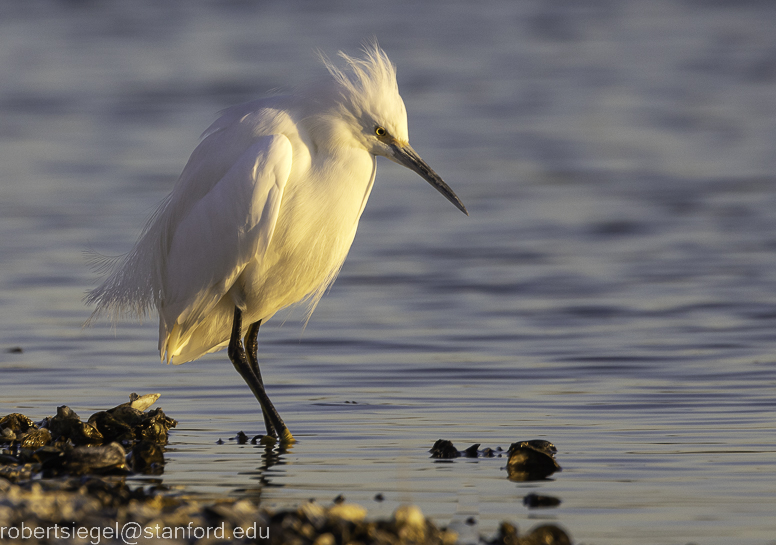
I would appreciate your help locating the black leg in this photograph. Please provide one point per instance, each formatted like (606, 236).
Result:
(251, 351)
(241, 362)
(252, 347)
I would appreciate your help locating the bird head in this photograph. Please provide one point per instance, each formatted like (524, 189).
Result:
(375, 115)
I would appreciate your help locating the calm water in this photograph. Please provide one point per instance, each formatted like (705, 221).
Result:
(614, 290)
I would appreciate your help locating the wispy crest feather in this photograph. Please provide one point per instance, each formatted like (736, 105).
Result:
(365, 80)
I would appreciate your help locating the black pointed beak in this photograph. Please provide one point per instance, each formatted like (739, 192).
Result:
(405, 155)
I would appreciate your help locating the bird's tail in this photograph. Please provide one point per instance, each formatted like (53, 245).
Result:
(133, 285)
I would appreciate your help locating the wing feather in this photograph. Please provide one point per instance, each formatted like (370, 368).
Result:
(210, 247)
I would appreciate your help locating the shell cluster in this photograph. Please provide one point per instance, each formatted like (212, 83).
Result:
(121, 440)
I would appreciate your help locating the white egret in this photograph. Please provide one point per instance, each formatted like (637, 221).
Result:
(263, 216)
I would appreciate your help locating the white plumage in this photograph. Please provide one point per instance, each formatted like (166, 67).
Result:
(264, 213)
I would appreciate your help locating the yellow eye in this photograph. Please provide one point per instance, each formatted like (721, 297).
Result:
(380, 131)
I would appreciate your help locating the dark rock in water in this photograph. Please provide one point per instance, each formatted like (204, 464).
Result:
(528, 460)
(126, 414)
(472, 451)
(444, 449)
(86, 434)
(147, 457)
(242, 438)
(540, 444)
(536, 500)
(126, 424)
(63, 444)
(531, 460)
(110, 458)
(155, 426)
(111, 428)
(68, 424)
(546, 534)
(16, 422)
(379, 497)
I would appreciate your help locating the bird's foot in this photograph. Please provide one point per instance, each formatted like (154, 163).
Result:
(286, 438)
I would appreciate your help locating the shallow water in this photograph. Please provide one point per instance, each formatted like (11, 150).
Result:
(613, 291)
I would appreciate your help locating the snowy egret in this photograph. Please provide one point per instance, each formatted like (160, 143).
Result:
(263, 216)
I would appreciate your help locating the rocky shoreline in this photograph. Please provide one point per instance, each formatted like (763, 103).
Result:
(63, 480)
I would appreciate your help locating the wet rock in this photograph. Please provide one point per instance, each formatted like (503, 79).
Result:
(444, 449)
(527, 458)
(325, 539)
(35, 438)
(147, 457)
(242, 438)
(541, 444)
(349, 512)
(536, 500)
(111, 428)
(410, 523)
(7, 435)
(127, 422)
(63, 444)
(101, 459)
(8, 459)
(237, 513)
(546, 534)
(531, 460)
(346, 523)
(50, 458)
(155, 427)
(106, 501)
(19, 473)
(128, 415)
(472, 451)
(507, 535)
(313, 513)
(16, 422)
(86, 434)
(64, 422)
(68, 424)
